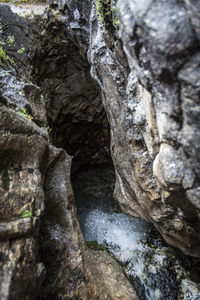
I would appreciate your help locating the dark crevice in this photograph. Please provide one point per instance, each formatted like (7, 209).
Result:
(74, 108)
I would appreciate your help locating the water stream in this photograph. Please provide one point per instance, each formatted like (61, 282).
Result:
(150, 264)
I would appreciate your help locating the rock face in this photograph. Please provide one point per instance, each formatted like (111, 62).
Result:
(109, 278)
(141, 60)
(160, 124)
(74, 108)
(145, 59)
(147, 68)
(42, 251)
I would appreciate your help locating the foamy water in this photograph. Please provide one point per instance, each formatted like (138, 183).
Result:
(150, 265)
(117, 232)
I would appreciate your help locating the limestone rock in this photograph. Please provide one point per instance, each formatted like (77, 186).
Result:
(145, 74)
(109, 277)
(153, 112)
(42, 251)
(147, 70)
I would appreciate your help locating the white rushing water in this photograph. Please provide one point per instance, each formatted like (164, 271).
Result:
(117, 232)
(124, 237)
(151, 266)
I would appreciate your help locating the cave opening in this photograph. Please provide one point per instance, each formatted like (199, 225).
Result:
(75, 112)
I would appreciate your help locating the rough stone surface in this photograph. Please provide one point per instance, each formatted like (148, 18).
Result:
(60, 236)
(28, 169)
(148, 71)
(145, 71)
(74, 108)
(110, 279)
(164, 60)
(42, 251)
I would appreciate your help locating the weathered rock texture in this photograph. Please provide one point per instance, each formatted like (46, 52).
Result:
(42, 251)
(74, 108)
(109, 278)
(148, 73)
(147, 76)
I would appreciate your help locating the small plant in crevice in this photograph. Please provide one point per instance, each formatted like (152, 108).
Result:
(22, 112)
(107, 16)
(95, 246)
(9, 41)
(115, 17)
(116, 23)
(3, 55)
(104, 12)
(21, 50)
(48, 128)
(27, 214)
(21, 93)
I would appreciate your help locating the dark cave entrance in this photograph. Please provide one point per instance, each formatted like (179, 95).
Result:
(74, 108)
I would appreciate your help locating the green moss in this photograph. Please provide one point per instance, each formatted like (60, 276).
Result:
(94, 245)
(22, 112)
(103, 9)
(116, 23)
(27, 214)
(116, 209)
(107, 15)
(3, 55)
(10, 40)
(48, 128)
(21, 51)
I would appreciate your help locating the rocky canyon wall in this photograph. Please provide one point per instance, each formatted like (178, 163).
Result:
(45, 81)
(145, 57)
(141, 60)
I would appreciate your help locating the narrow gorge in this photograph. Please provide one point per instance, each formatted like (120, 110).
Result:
(99, 150)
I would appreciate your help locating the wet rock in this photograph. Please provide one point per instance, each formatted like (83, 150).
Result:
(110, 278)
(152, 104)
(146, 71)
(61, 243)
(42, 247)
(74, 108)
(21, 190)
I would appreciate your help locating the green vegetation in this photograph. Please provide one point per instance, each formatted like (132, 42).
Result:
(106, 15)
(3, 55)
(10, 40)
(22, 112)
(103, 9)
(116, 209)
(94, 245)
(21, 51)
(22, 93)
(27, 214)
(116, 23)
(48, 128)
